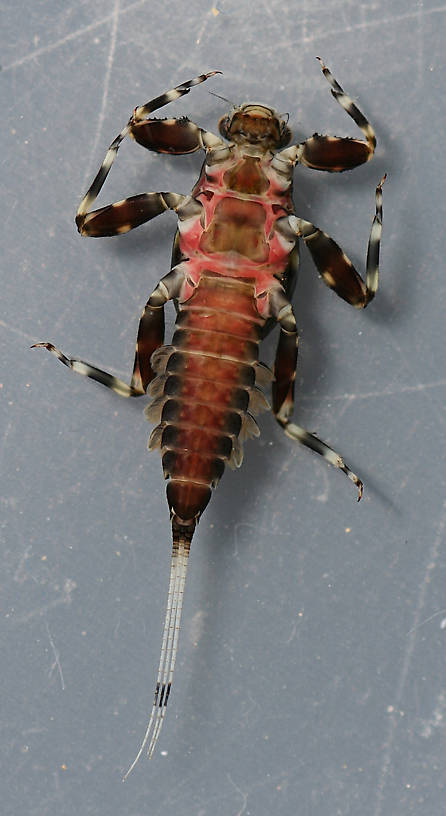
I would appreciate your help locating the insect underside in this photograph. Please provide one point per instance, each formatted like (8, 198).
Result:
(235, 260)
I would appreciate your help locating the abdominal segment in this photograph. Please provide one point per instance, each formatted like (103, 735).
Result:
(205, 392)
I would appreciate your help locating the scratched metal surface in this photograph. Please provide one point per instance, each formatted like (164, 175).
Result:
(311, 675)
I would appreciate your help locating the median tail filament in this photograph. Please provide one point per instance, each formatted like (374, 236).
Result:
(182, 537)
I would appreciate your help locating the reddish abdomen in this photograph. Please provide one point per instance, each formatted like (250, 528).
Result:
(207, 384)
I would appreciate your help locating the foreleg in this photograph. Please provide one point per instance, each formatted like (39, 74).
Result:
(168, 136)
(331, 153)
(334, 153)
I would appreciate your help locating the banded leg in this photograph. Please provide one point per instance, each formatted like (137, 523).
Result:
(299, 434)
(286, 356)
(125, 215)
(335, 267)
(174, 136)
(283, 388)
(178, 138)
(333, 153)
(150, 337)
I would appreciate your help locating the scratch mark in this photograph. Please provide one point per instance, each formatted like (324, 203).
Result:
(323, 482)
(294, 629)
(20, 574)
(108, 70)
(374, 22)
(11, 216)
(65, 598)
(114, 17)
(394, 715)
(5, 437)
(304, 21)
(406, 365)
(213, 11)
(385, 392)
(419, 28)
(243, 795)
(349, 399)
(245, 525)
(56, 658)
(428, 727)
(29, 338)
(427, 620)
(274, 21)
(247, 715)
(46, 49)
(179, 794)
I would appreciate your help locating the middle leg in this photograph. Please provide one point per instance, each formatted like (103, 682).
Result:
(138, 114)
(333, 264)
(125, 215)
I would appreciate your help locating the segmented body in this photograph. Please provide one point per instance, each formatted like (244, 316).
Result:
(206, 392)
(234, 267)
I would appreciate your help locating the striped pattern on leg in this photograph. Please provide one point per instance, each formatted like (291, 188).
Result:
(299, 434)
(333, 264)
(335, 154)
(138, 114)
(349, 106)
(87, 370)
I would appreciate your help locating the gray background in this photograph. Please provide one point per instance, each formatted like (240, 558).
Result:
(311, 676)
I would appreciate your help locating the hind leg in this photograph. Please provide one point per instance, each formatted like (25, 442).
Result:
(283, 393)
(150, 337)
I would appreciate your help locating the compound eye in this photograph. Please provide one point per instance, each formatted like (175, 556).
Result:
(224, 125)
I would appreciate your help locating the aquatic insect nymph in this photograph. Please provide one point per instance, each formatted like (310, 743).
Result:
(235, 259)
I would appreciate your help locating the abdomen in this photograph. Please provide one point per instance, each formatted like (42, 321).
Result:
(205, 390)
